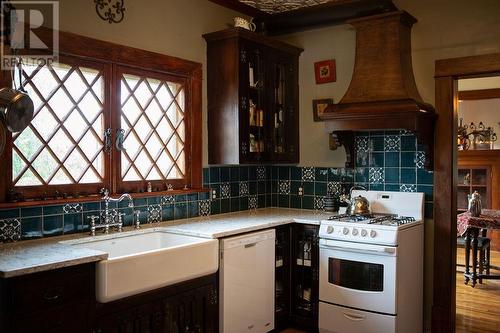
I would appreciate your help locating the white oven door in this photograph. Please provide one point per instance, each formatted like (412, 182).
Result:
(361, 276)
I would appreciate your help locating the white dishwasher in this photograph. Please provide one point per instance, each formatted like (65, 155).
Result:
(246, 277)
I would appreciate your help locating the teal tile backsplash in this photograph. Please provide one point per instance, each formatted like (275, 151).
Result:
(386, 161)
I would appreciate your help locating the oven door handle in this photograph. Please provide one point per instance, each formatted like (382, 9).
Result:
(357, 247)
(353, 316)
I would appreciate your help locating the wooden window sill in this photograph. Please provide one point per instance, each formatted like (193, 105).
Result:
(95, 197)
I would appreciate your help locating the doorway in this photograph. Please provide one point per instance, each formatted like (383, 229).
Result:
(447, 74)
(478, 113)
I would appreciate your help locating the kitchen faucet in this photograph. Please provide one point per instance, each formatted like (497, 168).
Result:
(108, 220)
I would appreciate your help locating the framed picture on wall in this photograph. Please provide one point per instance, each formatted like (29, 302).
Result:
(319, 106)
(325, 71)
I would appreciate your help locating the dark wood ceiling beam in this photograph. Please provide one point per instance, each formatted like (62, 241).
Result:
(241, 7)
(330, 13)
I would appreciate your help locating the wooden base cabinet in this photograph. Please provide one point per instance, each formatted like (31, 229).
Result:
(190, 307)
(305, 277)
(253, 100)
(63, 301)
(282, 276)
(297, 277)
(56, 301)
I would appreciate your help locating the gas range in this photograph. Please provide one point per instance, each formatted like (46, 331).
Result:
(370, 275)
(392, 212)
(375, 219)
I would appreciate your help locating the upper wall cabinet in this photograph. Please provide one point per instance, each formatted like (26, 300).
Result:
(252, 98)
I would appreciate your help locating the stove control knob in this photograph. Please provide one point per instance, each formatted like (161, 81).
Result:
(345, 231)
(364, 233)
(373, 233)
(354, 232)
(329, 229)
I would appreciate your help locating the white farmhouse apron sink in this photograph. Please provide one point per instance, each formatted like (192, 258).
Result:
(140, 262)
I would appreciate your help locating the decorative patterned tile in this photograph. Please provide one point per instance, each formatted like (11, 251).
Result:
(408, 188)
(253, 202)
(167, 200)
(334, 188)
(243, 189)
(308, 174)
(72, 208)
(261, 172)
(392, 143)
(405, 132)
(362, 144)
(319, 203)
(225, 190)
(376, 175)
(420, 159)
(205, 207)
(10, 230)
(284, 187)
(154, 213)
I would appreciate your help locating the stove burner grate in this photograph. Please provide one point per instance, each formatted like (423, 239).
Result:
(385, 219)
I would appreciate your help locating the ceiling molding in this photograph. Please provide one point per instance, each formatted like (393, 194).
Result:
(327, 14)
(241, 8)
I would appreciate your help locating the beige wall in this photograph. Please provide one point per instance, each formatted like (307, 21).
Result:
(172, 27)
(445, 29)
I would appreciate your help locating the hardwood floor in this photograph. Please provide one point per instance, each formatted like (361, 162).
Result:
(478, 309)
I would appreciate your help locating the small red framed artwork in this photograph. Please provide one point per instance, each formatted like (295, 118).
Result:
(325, 71)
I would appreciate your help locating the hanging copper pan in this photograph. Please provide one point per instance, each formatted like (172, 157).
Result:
(17, 109)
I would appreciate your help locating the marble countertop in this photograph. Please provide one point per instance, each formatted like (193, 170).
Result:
(49, 253)
(225, 225)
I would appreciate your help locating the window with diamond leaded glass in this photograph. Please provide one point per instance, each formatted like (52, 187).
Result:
(152, 109)
(106, 115)
(63, 145)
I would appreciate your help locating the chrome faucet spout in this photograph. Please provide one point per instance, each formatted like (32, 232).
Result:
(109, 217)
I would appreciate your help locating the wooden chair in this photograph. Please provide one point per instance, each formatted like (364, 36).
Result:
(483, 246)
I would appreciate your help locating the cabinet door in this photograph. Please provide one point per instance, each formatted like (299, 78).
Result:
(145, 318)
(282, 276)
(253, 106)
(305, 276)
(283, 102)
(194, 311)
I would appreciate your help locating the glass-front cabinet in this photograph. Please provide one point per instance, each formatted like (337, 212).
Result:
(284, 107)
(305, 276)
(252, 98)
(254, 111)
(471, 179)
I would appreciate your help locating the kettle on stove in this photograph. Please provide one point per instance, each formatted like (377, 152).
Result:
(357, 205)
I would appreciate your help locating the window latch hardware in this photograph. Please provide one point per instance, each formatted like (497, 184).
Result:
(107, 140)
(120, 137)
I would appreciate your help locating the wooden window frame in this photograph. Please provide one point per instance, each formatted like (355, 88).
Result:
(122, 185)
(36, 191)
(111, 56)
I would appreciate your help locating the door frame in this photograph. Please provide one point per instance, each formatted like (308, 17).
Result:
(447, 73)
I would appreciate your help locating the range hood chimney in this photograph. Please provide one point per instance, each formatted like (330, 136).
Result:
(382, 93)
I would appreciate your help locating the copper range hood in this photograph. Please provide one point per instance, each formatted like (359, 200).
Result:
(382, 94)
